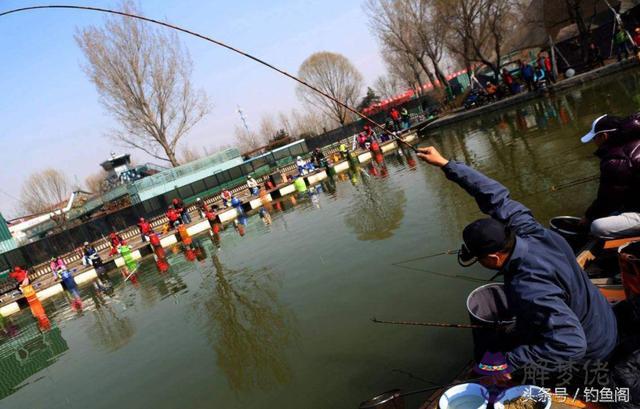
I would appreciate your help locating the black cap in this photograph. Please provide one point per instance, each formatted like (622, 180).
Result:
(485, 236)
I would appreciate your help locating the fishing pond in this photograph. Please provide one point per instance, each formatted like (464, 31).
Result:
(281, 317)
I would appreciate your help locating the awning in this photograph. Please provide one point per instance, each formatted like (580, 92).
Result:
(544, 18)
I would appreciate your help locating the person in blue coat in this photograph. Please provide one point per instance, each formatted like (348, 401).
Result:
(526, 72)
(561, 316)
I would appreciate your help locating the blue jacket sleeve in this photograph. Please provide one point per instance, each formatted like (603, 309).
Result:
(559, 333)
(492, 197)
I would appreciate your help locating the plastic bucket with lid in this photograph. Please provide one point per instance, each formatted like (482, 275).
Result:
(488, 306)
(388, 400)
(466, 395)
(571, 230)
(528, 392)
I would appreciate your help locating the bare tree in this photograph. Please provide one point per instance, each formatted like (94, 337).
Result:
(189, 154)
(420, 15)
(268, 128)
(143, 76)
(407, 28)
(388, 86)
(308, 123)
(44, 190)
(479, 28)
(335, 75)
(247, 140)
(574, 10)
(285, 123)
(96, 182)
(456, 22)
(403, 66)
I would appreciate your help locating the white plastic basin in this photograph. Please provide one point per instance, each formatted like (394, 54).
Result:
(464, 390)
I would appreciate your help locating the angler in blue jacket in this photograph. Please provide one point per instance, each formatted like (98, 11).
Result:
(563, 315)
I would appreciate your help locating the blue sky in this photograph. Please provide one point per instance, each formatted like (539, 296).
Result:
(49, 111)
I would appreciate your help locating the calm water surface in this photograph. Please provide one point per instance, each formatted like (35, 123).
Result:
(281, 316)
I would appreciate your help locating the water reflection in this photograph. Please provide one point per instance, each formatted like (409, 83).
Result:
(247, 326)
(108, 329)
(377, 206)
(27, 354)
(535, 146)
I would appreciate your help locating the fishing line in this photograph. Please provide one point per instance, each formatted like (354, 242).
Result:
(412, 376)
(459, 277)
(219, 43)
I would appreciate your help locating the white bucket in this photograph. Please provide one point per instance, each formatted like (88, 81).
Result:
(464, 390)
(523, 390)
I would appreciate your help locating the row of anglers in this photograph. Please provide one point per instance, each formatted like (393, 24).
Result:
(177, 215)
(536, 75)
(562, 319)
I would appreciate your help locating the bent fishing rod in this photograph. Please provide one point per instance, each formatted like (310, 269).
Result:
(216, 42)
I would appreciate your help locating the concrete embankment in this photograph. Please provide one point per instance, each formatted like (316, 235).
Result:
(567, 83)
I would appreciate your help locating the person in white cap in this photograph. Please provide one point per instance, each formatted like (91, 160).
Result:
(252, 185)
(615, 212)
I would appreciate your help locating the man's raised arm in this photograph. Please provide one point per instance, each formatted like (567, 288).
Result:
(492, 197)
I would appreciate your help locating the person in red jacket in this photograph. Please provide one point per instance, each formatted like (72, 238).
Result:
(116, 241)
(20, 275)
(395, 117)
(636, 40)
(178, 204)
(226, 198)
(544, 63)
(174, 217)
(508, 81)
(145, 229)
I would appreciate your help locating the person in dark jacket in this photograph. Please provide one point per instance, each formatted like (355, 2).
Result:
(620, 41)
(559, 312)
(616, 210)
(526, 72)
(509, 82)
(595, 56)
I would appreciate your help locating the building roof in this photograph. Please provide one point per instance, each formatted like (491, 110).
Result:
(116, 161)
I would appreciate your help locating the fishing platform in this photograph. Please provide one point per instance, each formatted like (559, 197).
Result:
(46, 287)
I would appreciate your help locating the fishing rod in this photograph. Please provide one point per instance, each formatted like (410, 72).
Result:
(575, 182)
(430, 324)
(389, 397)
(400, 264)
(457, 276)
(219, 43)
(442, 253)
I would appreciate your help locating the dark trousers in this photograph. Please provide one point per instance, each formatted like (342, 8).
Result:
(625, 360)
(550, 76)
(620, 49)
(531, 85)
